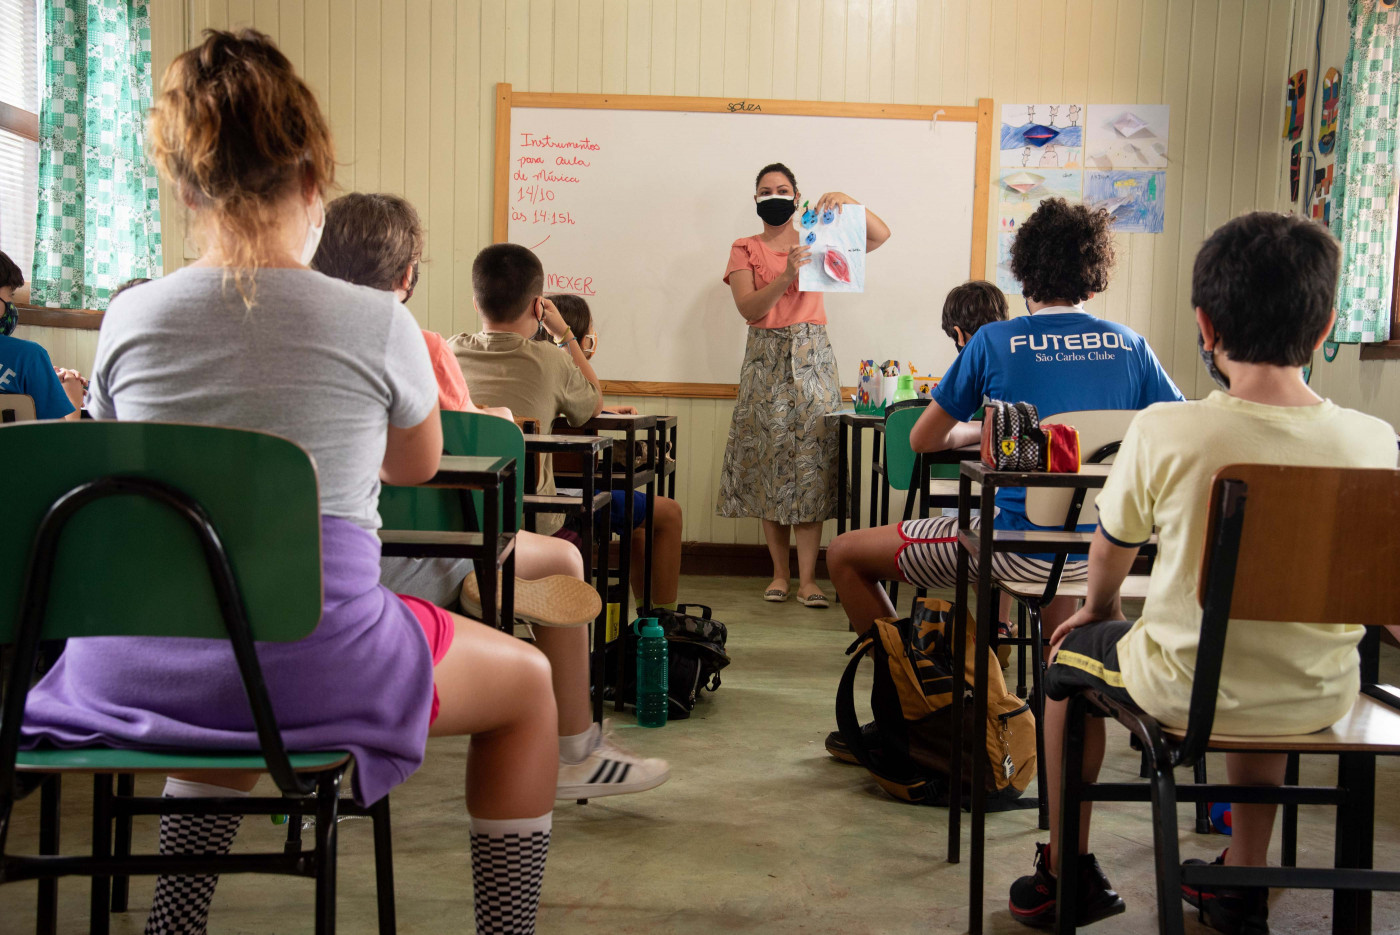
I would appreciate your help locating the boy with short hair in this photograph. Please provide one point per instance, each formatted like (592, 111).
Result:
(1263, 287)
(503, 367)
(666, 513)
(970, 306)
(25, 367)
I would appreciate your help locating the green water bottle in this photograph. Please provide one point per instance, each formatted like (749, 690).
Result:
(651, 672)
(904, 387)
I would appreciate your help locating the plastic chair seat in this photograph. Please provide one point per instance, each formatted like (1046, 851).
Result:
(1370, 726)
(112, 760)
(1134, 588)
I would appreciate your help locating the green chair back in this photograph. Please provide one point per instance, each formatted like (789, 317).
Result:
(899, 457)
(433, 510)
(259, 491)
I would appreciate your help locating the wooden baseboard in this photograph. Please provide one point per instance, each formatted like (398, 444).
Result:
(719, 558)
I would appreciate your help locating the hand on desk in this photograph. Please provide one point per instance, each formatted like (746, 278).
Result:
(622, 410)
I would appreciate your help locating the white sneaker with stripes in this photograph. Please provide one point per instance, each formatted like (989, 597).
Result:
(609, 770)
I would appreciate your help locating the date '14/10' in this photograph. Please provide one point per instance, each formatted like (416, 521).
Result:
(540, 216)
(534, 194)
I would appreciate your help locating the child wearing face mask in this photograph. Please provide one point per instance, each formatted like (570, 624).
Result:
(1263, 287)
(25, 367)
(969, 307)
(666, 513)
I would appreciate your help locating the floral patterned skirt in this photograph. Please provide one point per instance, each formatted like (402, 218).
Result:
(780, 461)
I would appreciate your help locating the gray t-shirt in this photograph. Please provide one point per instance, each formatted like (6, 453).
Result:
(324, 363)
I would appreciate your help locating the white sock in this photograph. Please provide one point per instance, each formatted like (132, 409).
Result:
(576, 747)
(181, 902)
(508, 857)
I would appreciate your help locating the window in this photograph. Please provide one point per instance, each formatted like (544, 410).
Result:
(21, 83)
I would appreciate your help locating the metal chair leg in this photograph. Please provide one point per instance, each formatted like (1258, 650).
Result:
(1032, 620)
(121, 885)
(1202, 808)
(1290, 816)
(1021, 631)
(50, 814)
(100, 918)
(1071, 789)
(383, 866)
(1171, 918)
(327, 805)
(1356, 775)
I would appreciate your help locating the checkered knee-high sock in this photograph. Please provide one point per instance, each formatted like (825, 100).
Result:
(181, 903)
(507, 869)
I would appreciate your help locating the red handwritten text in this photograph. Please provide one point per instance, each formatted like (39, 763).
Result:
(546, 142)
(570, 161)
(578, 285)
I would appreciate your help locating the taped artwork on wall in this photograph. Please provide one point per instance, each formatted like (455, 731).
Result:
(1036, 136)
(1005, 281)
(1331, 106)
(1295, 162)
(1137, 200)
(1126, 136)
(1020, 192)
(1320, 204)
(1295, 106)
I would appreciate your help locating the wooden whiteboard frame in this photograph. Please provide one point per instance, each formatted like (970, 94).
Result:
(506, 99)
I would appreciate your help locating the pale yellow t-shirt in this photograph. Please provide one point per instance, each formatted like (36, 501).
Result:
(1277, 678)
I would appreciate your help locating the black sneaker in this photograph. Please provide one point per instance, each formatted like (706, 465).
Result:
(1234, 911)
(1033, 897)
(840, 751)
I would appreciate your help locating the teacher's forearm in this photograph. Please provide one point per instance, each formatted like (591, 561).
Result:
(761, 301)
(876, 231)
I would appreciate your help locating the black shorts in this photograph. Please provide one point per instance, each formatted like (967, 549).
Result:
(1088, 659)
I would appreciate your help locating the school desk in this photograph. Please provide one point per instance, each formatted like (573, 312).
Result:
(594, 499)
(976, 541)
(851, 427)
(493, 546)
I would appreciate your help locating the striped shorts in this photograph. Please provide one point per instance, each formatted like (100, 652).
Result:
(928, 557)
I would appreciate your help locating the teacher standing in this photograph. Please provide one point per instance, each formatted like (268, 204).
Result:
(780, 462)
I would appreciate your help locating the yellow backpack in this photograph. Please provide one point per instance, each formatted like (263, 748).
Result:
(912, 701)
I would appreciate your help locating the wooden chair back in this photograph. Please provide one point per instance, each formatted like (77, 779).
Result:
(1318, 544)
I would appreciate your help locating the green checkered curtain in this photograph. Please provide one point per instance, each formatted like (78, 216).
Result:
(1364, 213)
(99, 209)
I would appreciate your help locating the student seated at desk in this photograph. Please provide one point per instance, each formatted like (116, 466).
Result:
(377, 241)
(248, 337)
(1062, 255)
(25, 367)
(1263, 287)
(666, 513)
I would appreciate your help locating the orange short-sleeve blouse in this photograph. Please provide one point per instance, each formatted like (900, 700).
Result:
(767, 264)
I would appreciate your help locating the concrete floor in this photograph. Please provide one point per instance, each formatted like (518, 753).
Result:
(757, 831)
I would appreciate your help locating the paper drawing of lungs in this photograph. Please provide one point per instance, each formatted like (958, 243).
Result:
(836, 266)
(1295, 162)
(1331, 105)
(1296, 104)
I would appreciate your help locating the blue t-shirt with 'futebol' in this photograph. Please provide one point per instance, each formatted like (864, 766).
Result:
(1061, 361)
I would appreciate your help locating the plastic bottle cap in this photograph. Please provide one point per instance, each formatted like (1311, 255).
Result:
(905, 381)
(650, 627)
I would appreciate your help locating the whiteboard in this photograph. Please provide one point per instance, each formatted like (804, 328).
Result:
(637, 209)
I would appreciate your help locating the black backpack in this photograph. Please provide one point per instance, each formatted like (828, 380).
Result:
(695, 654)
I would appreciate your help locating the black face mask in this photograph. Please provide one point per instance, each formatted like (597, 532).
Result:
(9, 318)
(776, 211)
(1208, 358)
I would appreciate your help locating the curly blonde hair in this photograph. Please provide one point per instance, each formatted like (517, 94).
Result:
(235, 130)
